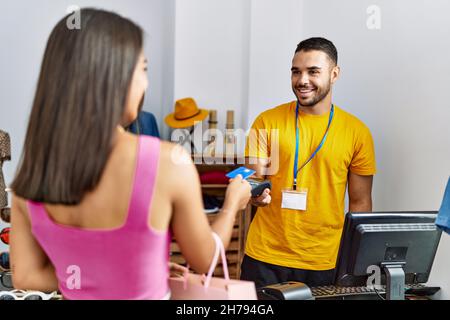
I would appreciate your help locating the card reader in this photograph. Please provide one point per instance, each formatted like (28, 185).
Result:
(290, 290)
(258, 186)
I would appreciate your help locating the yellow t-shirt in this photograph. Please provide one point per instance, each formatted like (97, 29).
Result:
(306, 239)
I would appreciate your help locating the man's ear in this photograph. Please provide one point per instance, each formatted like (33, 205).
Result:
(335, 74)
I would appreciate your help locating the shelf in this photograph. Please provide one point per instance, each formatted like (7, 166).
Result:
(220, 157)
(233, 271)
(214, 186)
(235, 250)
(232, 258)
(234, 235)
(234, 246)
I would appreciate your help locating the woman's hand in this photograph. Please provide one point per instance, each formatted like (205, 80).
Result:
(177, 270)
(238, 193)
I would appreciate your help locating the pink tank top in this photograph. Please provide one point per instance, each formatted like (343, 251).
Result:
(128, 262)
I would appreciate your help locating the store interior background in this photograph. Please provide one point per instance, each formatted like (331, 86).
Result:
(236, 54)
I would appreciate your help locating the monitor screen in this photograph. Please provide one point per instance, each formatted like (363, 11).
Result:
(382, 238)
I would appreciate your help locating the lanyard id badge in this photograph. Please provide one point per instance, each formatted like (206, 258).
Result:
(294, 199)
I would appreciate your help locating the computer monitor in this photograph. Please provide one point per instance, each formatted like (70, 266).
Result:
(401, 244)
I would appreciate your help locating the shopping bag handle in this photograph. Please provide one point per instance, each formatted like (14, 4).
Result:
(219, 250)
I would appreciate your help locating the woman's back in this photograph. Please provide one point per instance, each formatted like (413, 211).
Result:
(107, 248)
(106, 206)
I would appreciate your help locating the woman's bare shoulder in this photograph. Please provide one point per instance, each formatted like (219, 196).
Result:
(176, 163)
(174, 155)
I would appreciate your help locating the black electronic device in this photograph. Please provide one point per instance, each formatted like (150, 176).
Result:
(421, 290)
(258, 186)
(400, 245)
(332, 292)
(290, 290)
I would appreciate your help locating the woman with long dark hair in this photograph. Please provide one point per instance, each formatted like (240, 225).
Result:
(93, 204)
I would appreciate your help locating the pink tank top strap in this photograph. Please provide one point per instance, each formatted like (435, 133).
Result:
(37, 213)
(144, 181)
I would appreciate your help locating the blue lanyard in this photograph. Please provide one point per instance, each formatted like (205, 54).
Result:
(296, 171)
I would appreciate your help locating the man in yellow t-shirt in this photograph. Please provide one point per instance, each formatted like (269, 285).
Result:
(295, 234)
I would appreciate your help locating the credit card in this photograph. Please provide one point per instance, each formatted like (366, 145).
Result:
(243, 171)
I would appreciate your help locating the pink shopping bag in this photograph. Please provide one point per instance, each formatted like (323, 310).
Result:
(200, 287)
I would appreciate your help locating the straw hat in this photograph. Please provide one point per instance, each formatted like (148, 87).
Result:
(186, 114)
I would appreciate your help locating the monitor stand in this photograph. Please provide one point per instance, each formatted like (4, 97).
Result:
(395, 280)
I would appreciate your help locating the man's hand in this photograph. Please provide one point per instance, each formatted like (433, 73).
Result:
(263, 200)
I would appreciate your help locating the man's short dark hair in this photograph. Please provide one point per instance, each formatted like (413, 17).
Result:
(319, 44)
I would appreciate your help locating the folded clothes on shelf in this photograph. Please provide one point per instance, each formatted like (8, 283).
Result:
(5, 214)
(211, 211)
(213, 177)
(5, 155)
(4, 235)
(28, 295)
(4, 261)
(6, 280)
(212, 204)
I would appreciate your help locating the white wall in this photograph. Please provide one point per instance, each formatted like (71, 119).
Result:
(211, 55)
(276, 28)
(24, 29)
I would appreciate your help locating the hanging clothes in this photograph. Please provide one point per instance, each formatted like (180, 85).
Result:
(5, 155)
(443, 218)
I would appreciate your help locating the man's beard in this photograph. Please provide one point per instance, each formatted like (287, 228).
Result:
(321, 94)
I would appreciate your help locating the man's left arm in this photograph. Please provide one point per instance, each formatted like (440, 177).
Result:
(360, 192)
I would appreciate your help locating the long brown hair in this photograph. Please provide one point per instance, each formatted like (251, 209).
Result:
(80, 99)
